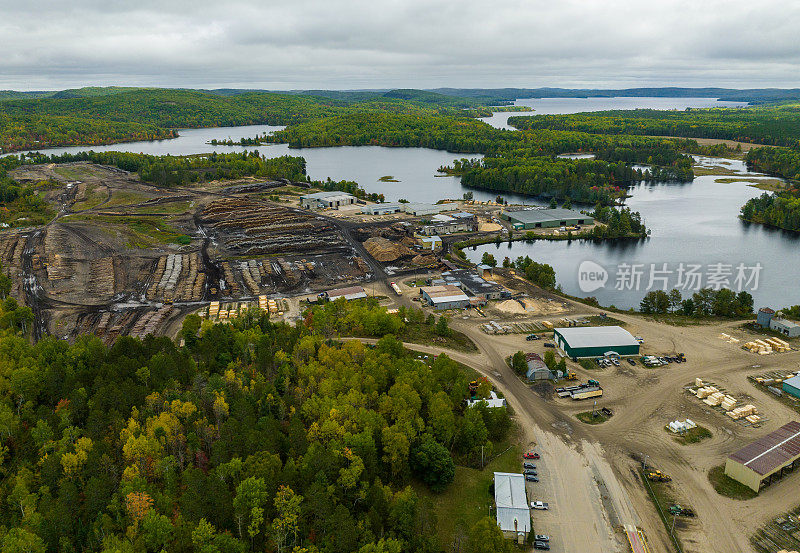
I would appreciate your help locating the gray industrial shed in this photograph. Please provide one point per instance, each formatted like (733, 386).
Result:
(545, 218)
(785, 327)
(511, 500)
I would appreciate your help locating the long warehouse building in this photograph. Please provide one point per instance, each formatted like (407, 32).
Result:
(758, 463)
(544, 218)
(595, 341)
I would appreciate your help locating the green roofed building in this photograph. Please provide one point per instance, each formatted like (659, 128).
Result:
(544, 218)
(595, 341)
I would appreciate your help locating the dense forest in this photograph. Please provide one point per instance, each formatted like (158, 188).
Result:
(775, 125)
(782, 162)
(781, 210)
(703, 303)
(237, 441)
(145, 114)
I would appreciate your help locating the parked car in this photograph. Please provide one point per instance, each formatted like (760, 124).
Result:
(543, 545)
(528, 466)
(530, 455)
(632, 362)
(531, 478)
(533, 337)
(542, 537)
(539, 506)
(530, 472)
(549, 345)
(615, 362)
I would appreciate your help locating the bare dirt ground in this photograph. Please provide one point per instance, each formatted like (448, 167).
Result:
(123, 257)
(588, 471)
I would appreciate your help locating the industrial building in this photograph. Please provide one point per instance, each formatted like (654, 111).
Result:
(785, 327)
(431, 243)
(323, 200)
(595, 341)
(444, 296)
(380, 209)
(492, 401)
(448, 227)
(759, 463)
(472, 283)
(792, 386)
(764, 316)
(418, 210)
(768, 318)
(484, 270)
(511, 501)
(544, 218)
(351, 293)
(537, 369)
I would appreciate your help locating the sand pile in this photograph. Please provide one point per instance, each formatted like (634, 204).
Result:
(384, 250)
(489, 227)
(510, 306)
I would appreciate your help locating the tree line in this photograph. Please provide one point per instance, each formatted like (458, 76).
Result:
(251, 436)
(777, 125)
(703, 303)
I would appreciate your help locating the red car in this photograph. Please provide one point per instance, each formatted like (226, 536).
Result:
(530, 455)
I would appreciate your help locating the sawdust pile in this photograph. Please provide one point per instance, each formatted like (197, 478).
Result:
(384, 250)
(510, 306)
(489, 227)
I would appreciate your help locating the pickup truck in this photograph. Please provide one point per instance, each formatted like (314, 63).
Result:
(539, 506)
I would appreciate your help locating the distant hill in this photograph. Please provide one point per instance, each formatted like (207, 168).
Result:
(752, 95)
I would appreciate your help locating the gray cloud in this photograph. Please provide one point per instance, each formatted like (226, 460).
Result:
(389, 43)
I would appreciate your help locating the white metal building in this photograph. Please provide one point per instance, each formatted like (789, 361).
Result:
(423, 209)
(380, 209)
(321, 200)
(351, 293)
(511, 500)
(445, 296)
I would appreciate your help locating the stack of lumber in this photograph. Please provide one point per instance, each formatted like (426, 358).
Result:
(741, 412)
(728, 403)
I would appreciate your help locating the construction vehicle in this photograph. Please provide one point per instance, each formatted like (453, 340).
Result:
(571, 376)
(592, 382)
(658, 476)
(677, 510)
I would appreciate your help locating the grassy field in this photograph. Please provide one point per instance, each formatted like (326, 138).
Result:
(74, 172)
(727, 486)
(424, 334)
(764, 184)
(125, 197)
(589, 417)
(692, 436)
(467, 499)
(94, 196)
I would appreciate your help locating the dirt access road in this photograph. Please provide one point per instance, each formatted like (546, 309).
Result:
(593, 486)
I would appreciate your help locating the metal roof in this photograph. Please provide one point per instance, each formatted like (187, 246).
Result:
(785, 323)
(771, 452)
(464, 278)
(444, 293)
(597, 336)
(542, 215)
(326, 195)
(794, 382)
(351, 293)
(511, 502)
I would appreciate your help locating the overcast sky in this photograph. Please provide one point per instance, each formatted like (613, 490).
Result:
(400, 43)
